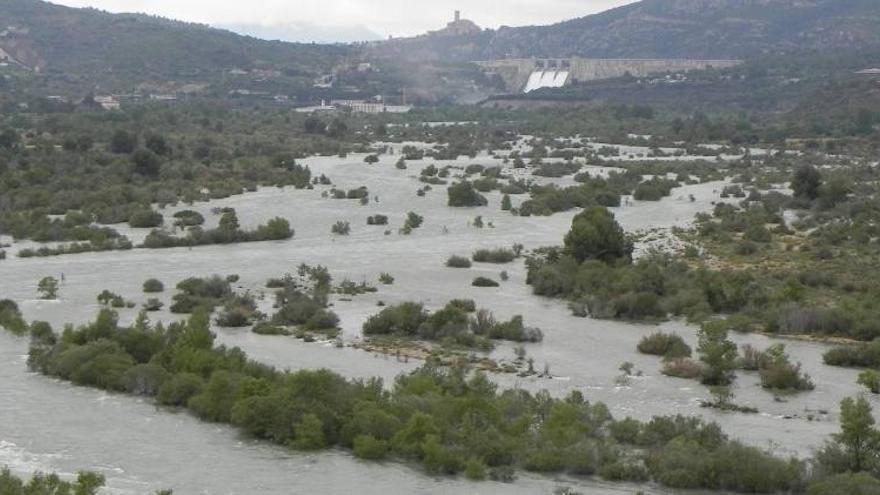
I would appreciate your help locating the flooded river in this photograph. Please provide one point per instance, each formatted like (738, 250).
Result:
(49, 425)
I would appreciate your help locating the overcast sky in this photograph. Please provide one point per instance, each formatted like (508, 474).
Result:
(355, 18)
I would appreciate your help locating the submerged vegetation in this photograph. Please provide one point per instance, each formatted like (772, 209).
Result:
(448, 420)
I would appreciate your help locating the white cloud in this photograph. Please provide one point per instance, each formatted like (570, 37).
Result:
(386, 17)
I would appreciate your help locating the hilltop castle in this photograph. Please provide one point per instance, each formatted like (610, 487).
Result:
(458, 27)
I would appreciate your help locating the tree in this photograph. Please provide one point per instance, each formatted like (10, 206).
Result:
(464, 194)
(8, 139)
(717, 352)
(123, 142)
(337, 129)
(505, 203)
(48, 288)
(596, 235)
(146, 163)
(846, 484)
(229, 221)
(806, 182)
(859, 438)
(314, 125)
(870, 379)
(157, 144)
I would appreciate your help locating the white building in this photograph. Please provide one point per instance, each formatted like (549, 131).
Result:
(108, 102)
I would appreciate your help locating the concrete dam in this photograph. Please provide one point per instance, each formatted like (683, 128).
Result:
(526, 75)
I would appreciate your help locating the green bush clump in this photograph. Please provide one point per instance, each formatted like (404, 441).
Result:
(188, 218)
(456, 261)
(402, 319)
(296, 308)
(500, 255)
(194, 292)
(669, 346)
(557, 169)
(10, 317)
(341, 228)
(86, 483)
(377, 220)
(153, 286)
(463, 194)
(865, 355)
(778, 373)
(145, 219)
(466, 305)
(654, 189)
(485, 282)
(266, 328)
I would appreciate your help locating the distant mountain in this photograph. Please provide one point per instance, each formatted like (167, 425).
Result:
(114, 50)
(304, 32)
(669, 29)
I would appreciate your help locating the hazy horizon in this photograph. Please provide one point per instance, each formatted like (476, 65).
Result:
(350, 20)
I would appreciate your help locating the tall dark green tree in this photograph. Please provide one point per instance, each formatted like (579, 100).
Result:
(596, 235)
(859, 438)
(806, 182)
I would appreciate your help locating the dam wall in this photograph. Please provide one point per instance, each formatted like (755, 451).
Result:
(517, 73)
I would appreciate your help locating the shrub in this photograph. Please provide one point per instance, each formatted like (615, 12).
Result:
(153, 285)
(475, 469)
(341, 228)
(386, 278)
(777, 372)
(145, 219)
(500, 255)
(595, 234)
(377, 220)
(463, 194)
(484, 282)
(846, 484)
(266, 328)
(370, 448)
(860, 356)
(466, 305)
(401, 319)
(670, 346)
(683, 368)
(455, 261)
(413, 221)
(188, 218)
(870, 379)
(153, 304)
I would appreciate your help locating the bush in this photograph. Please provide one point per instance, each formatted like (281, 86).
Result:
(500, 255)
(370, 448)
(145, 219)
(683, 368)
(377, 220)
(463, 194)
(341, 228)
(484, 282)
(188, 218)
(846, 484)
(466, 305)
(153, 285)
(595, 234)
(870, 379)
(266, 328)
(777, 372)
(153, 304)
(402, 319)
(670, 346)
(475, 469)
(455, 261)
